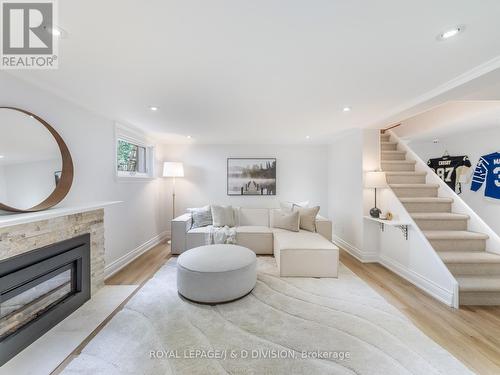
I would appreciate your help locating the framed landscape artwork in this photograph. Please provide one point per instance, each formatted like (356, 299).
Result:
(247, 176)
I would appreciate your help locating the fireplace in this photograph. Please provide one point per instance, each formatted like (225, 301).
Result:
(40, 288)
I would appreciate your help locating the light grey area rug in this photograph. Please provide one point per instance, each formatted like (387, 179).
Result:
(282, 327)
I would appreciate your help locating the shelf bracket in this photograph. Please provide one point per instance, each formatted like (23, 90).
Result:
(404, 229)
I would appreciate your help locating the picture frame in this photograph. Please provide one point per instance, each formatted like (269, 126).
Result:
(251, 176)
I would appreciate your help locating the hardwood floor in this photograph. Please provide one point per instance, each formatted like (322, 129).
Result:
(472, 334)
(142, 268)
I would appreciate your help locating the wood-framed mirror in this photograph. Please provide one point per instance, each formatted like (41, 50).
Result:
(36, 168)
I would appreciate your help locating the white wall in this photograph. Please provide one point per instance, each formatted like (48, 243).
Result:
(301, 175)
(345, 188)
(474, 144)
(90, 138)
(3, 186)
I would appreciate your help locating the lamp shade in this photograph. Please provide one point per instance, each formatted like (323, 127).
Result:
(375, 180)
(173, 169)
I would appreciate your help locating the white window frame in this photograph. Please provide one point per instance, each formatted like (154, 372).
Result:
(138, 138)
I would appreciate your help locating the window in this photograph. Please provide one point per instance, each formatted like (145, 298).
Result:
(134, 157)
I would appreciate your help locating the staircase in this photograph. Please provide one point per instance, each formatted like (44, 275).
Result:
(463, 251)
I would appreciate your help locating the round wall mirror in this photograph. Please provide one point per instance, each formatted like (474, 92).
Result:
(36, 169)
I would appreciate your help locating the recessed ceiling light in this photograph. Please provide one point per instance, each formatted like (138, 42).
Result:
(450, 33)
(1, 156)
(308, 137)
(346, 109)
(188, 137)
(153, 108)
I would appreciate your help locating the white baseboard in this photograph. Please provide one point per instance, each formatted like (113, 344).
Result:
(419, 281)
(354, 251)
(118, 264)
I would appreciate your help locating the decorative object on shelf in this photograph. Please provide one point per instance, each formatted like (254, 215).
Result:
(388, 216)
(173, 169)
(488, 171)
(57, 176)
(251, 176)
(453, 170)
(31, 151)
(374, 180)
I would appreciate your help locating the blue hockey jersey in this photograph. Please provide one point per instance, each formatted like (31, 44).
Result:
(488, 170)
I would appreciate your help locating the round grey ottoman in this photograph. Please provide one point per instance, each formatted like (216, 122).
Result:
(216, 273)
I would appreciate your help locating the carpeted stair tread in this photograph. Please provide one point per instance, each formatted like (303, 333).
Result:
(398, 161)
(468, 257)
(393, 152)
(405, 173)
(425, 199)
(438, 216)
(414, 186)
(454, 235)
(479, 284)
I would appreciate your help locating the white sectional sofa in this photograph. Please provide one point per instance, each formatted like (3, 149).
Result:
(300, 253)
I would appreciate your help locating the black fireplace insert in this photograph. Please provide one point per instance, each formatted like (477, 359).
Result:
(40, 288)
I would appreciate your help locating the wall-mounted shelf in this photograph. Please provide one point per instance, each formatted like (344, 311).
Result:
(393, 223)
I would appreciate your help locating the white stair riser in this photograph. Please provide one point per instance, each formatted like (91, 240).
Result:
(393, 156)
(458, 245)
(426, 224)
(397, 167)
(474, 269)
(428, 207)
(388, 146)
(480, 298)
(423, 192)
(405, 179)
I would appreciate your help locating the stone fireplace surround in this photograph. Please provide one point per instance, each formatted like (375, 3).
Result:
(25, 232)
(60, 228)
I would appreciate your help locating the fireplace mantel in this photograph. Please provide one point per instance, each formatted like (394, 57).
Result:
(7, 219)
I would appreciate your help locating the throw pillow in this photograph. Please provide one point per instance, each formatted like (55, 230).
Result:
(289, 205)
(285, 219)
(200, 217)
(307, 217)
(222, 216)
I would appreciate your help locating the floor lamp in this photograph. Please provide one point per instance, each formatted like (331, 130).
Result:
(173, 169)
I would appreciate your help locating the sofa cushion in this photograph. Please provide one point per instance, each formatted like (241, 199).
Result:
(253, 216)
(305, 254)
(201, 216)
(307, 217)
(289, 205)
(256, 238)
(285, 219)
(197, 236)
(203, 230)
(222, 216)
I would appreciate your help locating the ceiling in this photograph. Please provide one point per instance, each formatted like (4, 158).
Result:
(451, 118)
(262, 71)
